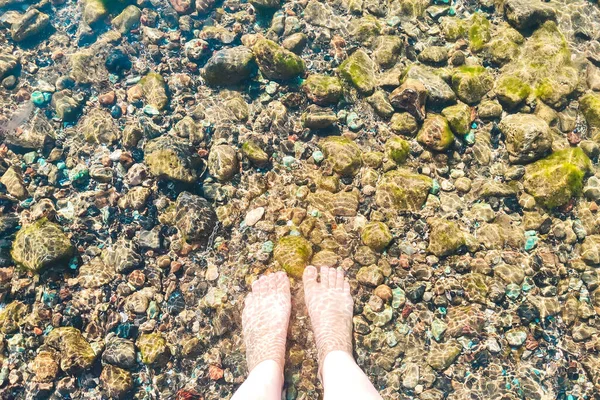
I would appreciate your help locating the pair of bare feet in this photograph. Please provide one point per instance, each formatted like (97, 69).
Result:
(267, 312)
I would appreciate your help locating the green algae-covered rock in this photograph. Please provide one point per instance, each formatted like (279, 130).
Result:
(172, 158)
(359, 70)
(275, 62)
(128, 19)
(99, 127)
(408, 9)
(154, 89)
(293, 253)
(12, 317)
(343, 154)
(397, 149)
(323, 89)
(255, 153)
(376, 235)
(341, 204)
(471, 83)
(511, 91)
(445, 237)
(527, 137)
(453, 28)
(387, 50)
(229, 66)
(435, 134)
(526, 14)
(554, 180)
(545, 64)
(504, 46)
(222, 162)
(380, 103)
(153, 349)
(589, 104)
(480, 32)
(76, 354)
(402, 190)
(41, 245)
(116, 381)
(404, 124)
(194, 217)
(364, 30)
(459, 118)
(94, 11)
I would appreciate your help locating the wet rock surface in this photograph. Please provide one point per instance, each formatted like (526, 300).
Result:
(156, 157)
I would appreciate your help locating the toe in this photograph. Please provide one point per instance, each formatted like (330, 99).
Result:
(339, 281)
(309, 278)
(332, 277)
(282, 282)
(346, 286)
(325, 277)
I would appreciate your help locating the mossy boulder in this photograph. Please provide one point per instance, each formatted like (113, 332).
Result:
(322, 89)
(527, 137)
(471, 83)
(527, 14)
(376, 235)
(12, 317)
(343, 154)
(40, 245)
(276, 62)
(397, 149)
(504, 46)
(316, 117)
(408, 9)
(255, 153)
(364, 30)
(402, 190)
(459, 118)
(154, 89)
(544, 63)
(511, 91)
(293, 253)
(128, 19)
(229, 66)
(172, 158)
(556, 179)
(153, 349)
(359, 71)
(480, 31)
(404, 124)
(387, 50)
(453, 28)
(380, 103)
(76, 354)
(435, 134)
(445, 237)
(340, 204)
(589, 104)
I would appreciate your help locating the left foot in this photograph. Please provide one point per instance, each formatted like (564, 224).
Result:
(265, 320)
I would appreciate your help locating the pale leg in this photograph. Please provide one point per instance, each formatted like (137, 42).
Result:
(265, 382)
(343, 379)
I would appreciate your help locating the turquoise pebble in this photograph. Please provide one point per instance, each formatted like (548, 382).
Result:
(318, 156)
(61, 165)
(451, 11)
(513, 291)
(288, 161)
(151, 110)
(435, 187)
(531, 242)
(470, 138)
(474, 125)
(267, 247)
(354, 122)
(38, 98)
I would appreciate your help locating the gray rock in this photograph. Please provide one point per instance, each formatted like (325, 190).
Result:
(527, 136)
(31, 24)
(527, 14)
(316, 117)
(194, 217)
(439, 92)
(229, 66)
(8, 64)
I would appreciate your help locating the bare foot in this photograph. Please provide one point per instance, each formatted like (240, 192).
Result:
(265, 320)
(330, 308)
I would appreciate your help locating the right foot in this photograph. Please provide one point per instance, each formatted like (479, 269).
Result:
(330, 308)
(265, 320)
